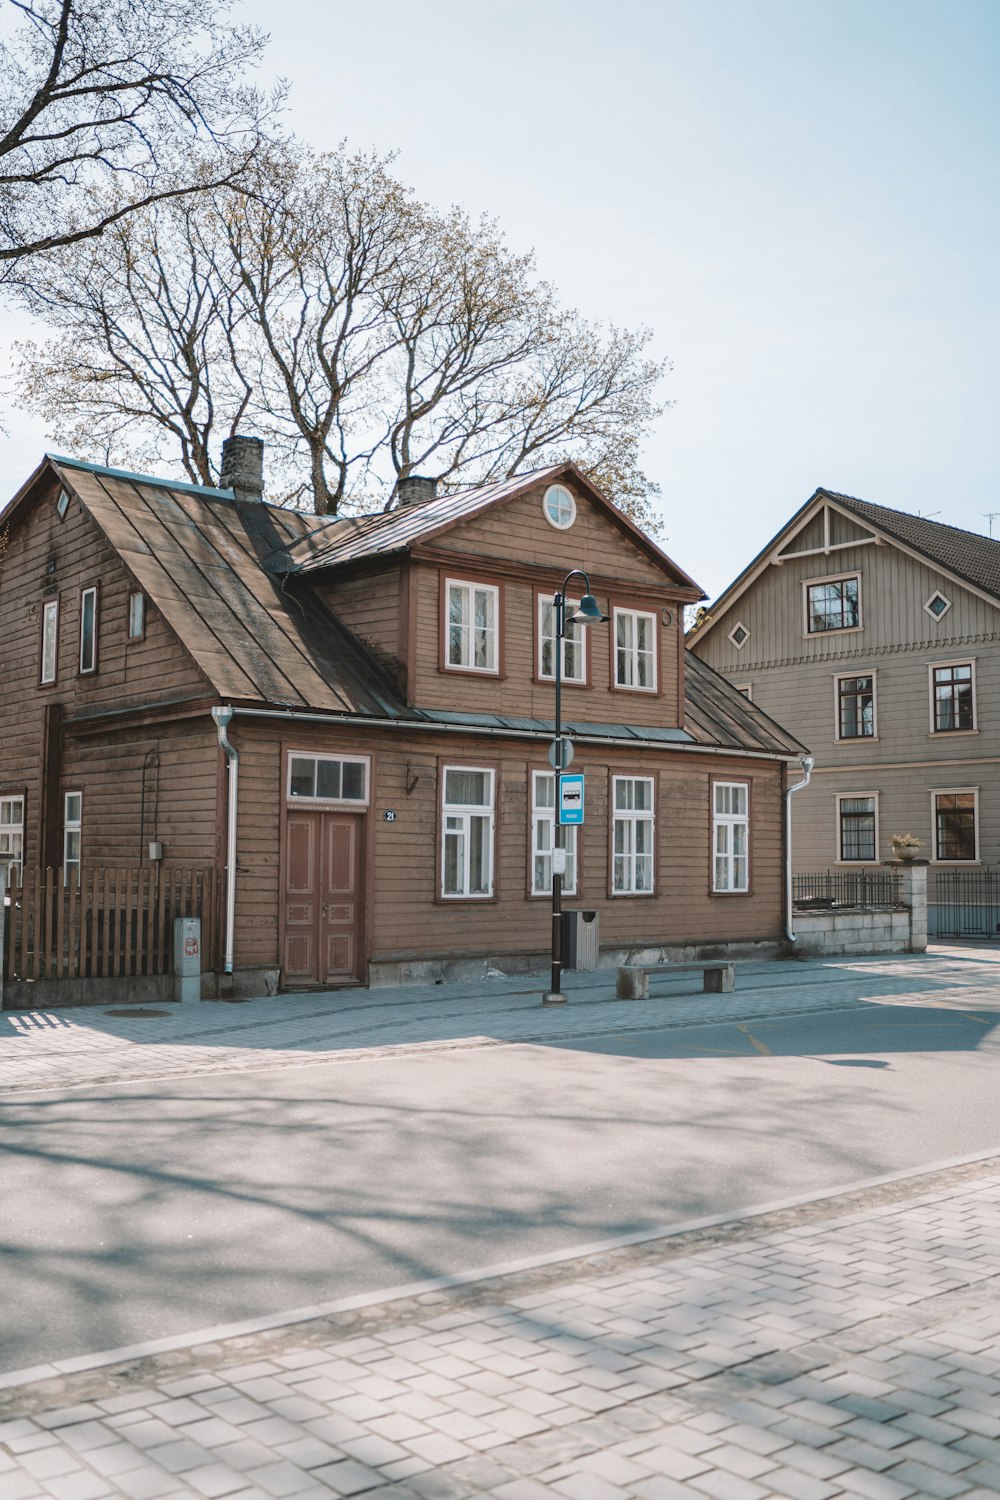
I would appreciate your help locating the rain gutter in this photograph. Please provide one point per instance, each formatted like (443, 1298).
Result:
(223, 718)
(807, 767)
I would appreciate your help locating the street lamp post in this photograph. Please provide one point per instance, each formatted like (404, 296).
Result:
(588, 613)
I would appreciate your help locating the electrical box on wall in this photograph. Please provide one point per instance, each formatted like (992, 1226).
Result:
(156, 851)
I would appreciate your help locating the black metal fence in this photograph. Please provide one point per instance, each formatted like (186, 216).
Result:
(825, 890)
(964, 903)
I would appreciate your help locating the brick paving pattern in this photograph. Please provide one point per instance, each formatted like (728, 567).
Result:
(856, 1355)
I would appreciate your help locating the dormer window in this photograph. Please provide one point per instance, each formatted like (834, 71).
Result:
(833, 604)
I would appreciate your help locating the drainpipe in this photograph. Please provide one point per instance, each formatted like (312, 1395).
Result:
(222, 717)
(807, 766)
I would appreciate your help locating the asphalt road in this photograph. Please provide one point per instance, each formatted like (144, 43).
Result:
(136, 1211)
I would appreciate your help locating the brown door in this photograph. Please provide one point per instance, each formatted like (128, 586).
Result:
(324, 908)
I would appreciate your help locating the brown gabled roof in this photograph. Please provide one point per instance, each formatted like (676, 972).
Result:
(334, 542)
(201, 557)
(260, 638)
(716, 714)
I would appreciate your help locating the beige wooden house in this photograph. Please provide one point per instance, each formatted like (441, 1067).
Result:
(360, 710)
(874, 635)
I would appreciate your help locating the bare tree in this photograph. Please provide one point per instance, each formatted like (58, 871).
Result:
(142, 94)
(144, 362)
(365, 336)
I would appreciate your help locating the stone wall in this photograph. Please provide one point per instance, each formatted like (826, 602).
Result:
(856, 931)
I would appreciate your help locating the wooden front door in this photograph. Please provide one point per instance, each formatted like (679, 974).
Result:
(324, 899)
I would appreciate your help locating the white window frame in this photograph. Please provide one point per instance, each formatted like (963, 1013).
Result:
(462, 814)
(937, 594)
(50, 641)
(573, 634)
(854, 739)
(935, 666)
(469, 590)
(136, 615)
(12, 837)
(724, 832)
(554, 496)
(732, 635)
(628, 818)
(953, 791)
(745, 689)
(635, 615)
(543, 824)
(72, 826)
(856, 797)
(298, 800)
(811, 583)
(62, 504)
(88, 594)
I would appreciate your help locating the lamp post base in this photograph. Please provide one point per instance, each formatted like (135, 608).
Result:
(554, 997)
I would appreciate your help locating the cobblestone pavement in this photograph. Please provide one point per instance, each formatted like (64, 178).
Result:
(852, 1349)
(95, 1044)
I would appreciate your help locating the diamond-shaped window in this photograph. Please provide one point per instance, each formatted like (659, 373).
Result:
(739, 635)
(937, 605)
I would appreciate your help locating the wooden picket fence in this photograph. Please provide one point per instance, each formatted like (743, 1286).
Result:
(103, 923)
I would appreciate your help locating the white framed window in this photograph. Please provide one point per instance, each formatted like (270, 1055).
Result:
(62, 504)
(854, 716)
(955, 825)
(88, 630)
(328, 778)
(857, 827)
(136, 615)
(635, 650)
(72, 836)
(952, 696)
(467, 819)
(832, 603)
(937, 605)
(559, 507)
(574, 661)
(632, 835)
(739, 635)
(49, 667)
(471, 614)
(731, 836)
(746, 688)
(11, 838)
(543, 822)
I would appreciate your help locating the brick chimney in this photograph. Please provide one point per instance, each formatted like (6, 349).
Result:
(414, 489)
(243, 467)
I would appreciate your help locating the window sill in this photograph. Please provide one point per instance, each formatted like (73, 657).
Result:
(448, 671)
(624, 687)
(856, 739)
(951, 734)
(822, 635)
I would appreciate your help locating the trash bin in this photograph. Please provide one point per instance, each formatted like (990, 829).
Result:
(581, 939)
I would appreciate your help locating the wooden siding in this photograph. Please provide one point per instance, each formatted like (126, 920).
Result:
(129, 673)
(369, 605)
(519, 532)
(793, 679)
(408, 918)
(518, 691)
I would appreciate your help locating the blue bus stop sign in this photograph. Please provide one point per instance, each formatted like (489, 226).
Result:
(571, 799)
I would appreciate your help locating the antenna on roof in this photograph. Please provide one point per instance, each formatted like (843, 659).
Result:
(991, 516)
(925, 515)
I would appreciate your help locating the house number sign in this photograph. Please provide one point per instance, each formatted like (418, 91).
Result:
(389, 816)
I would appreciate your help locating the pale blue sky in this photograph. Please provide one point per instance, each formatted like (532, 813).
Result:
(799, 196)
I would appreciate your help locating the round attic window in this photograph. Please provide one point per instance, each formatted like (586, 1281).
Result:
(559, 507)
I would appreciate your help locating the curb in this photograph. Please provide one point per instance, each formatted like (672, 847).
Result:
(220, 1332)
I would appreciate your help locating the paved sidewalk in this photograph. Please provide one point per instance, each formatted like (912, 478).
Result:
(850, 1349)
(42, 1049)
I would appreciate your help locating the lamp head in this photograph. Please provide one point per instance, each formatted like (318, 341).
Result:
(588, 612)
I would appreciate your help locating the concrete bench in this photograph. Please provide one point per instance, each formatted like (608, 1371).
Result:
(633, 979)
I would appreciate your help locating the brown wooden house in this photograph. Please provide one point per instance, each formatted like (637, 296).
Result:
(362, 708)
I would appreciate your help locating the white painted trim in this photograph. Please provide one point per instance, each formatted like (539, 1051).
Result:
(732, 635)
(570, 843)
(844, 577)
(632, 816)
(840, 797)
(854, 739)
(466, 811)
(730, 821)
(580, 637)
(493, 670)
(952, 791)
(932, 667)
(348, 803)
(937, 594)
(628, 687)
